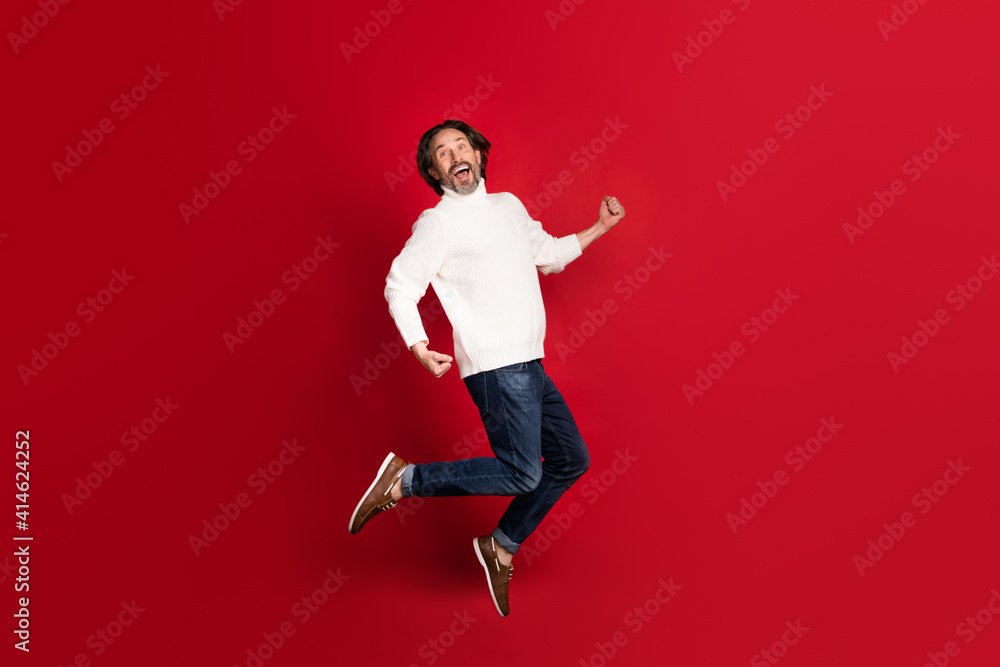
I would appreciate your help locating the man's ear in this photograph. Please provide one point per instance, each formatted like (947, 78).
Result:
(433, 172)
(479, 158)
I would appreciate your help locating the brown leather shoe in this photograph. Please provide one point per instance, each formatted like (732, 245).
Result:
(378, 497)
(497, 574)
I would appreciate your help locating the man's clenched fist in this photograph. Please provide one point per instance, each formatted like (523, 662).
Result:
(437, 363)
(611, 212)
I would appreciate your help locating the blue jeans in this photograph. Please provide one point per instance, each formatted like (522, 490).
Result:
(526, 420)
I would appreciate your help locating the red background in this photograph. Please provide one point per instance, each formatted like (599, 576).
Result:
(324, 175)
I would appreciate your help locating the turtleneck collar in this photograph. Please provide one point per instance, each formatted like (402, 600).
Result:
(477, 195)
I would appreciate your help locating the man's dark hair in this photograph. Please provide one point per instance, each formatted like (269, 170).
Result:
(425, 158)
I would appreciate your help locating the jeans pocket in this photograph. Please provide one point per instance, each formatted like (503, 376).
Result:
(476, 384)
(521, 367)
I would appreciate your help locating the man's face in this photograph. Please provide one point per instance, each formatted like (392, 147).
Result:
(456, 165)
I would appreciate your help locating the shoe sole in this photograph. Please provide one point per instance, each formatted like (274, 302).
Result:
(361, 502)
(489, 580)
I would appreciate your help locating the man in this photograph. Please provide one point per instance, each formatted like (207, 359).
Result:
(482, 253)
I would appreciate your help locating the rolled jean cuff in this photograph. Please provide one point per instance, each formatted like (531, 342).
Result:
(505, 541)
(406, 482)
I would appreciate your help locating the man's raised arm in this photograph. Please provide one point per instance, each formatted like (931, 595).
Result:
(553, 254)
(610, 214)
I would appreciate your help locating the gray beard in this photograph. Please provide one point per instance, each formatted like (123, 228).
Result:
(464, 189)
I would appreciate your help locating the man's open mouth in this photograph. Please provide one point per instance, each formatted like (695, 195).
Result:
(462, 173)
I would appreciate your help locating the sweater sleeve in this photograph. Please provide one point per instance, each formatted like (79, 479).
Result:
(411, 272)
(551, 254)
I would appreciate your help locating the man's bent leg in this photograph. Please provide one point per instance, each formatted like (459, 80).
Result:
(566, 459)
(510, 404)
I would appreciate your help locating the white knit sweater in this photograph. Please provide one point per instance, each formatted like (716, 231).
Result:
(480, 252)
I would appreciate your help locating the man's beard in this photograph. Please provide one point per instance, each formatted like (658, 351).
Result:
(464, 188)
